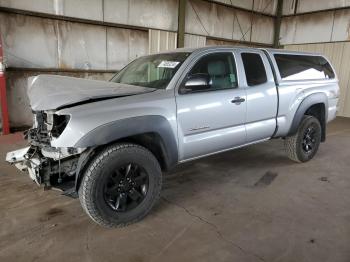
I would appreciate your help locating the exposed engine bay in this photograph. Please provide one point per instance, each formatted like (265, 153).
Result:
(46, 165)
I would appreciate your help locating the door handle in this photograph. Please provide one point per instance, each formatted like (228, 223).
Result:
(238, 100)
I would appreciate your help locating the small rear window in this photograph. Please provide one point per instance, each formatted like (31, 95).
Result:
(303, 67)
(254, 69)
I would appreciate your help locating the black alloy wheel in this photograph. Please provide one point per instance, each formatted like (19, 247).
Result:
(304, 144)
(126, 187)
(120, 185)
(309, 139)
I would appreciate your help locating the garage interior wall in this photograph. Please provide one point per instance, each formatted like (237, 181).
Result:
(323, 27)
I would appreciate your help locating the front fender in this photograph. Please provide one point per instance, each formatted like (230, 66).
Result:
(124, 128)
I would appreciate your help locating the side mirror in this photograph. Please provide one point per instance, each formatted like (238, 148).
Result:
(196, 82)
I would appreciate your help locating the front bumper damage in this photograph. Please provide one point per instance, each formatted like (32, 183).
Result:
(24, 160)
(47, 166)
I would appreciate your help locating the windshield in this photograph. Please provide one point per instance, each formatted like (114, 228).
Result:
(154, 71)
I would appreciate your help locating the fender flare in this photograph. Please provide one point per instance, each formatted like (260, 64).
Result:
(133, 126)
(313, 99)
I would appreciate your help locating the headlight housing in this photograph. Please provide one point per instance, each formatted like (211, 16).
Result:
(59, 124)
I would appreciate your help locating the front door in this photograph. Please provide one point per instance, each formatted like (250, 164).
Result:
(211, 119)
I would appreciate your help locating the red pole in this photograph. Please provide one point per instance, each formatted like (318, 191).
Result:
(3, 99)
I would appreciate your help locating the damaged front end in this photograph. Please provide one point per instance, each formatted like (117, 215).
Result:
(52, 158)
(47, 165)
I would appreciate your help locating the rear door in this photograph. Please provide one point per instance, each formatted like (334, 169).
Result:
(262, 96)
(211, 120)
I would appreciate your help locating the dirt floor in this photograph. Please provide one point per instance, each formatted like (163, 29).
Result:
(251, 204)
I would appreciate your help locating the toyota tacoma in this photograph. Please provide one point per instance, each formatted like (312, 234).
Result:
(108, 142)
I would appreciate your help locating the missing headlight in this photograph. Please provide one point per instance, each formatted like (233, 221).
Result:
(59, 124)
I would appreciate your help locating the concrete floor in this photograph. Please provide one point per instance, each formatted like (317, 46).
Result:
(252, 204)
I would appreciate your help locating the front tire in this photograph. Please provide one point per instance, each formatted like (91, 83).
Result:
(303, 146)
(121, 185)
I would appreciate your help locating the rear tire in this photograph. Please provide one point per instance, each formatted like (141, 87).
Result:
(121, 185)
(303, 146)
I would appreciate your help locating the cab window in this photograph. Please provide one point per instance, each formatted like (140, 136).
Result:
(215, 71)
(254, 69)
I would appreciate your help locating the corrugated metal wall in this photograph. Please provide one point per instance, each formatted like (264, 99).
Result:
(311, 21)
(330, 26)
(195, 40)
(339, 55)
(157, 14)
(161, 41)
(215, 20)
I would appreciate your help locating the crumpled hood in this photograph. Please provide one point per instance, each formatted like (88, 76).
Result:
(48, 92)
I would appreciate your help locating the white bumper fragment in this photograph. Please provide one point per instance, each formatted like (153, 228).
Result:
(21, 160)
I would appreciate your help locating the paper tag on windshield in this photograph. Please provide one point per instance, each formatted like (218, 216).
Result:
(168, 64)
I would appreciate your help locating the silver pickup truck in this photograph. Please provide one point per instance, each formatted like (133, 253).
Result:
(108, 142)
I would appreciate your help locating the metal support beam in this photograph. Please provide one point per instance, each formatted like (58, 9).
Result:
(296, 7)
(181, 23)
(277, 25)
(3, 98)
